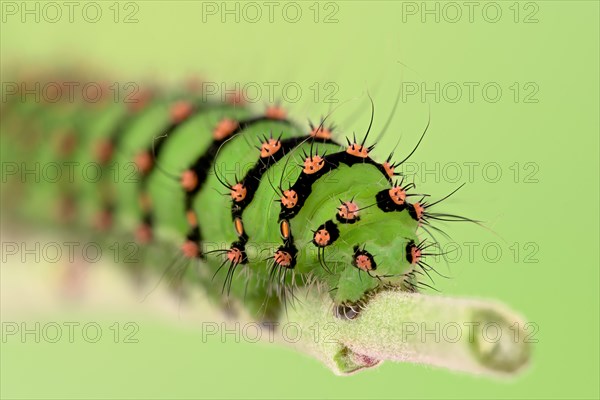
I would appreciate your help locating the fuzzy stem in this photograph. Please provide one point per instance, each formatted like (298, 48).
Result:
(475, 336)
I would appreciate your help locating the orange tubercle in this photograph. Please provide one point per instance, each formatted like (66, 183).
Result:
(269, 148)
(67, 142)
(235, 255)
(419, 210)
(189, 180)
(348, 210)
(389, 169)
(144, 162)
(415, 255)
(238, 192)
(190, 249)
(289, 198)
(140, 100)
(225, 128)
(103, 220)
(363, 262)
(276, 112)
(322, 237)
(181, 110)
(357, 150)
(104, 150)
(283, 258)
(398, 195)
(235, 98)
(320, 132)
(143, 234)
(313, 164)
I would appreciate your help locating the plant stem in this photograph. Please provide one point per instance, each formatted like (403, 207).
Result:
(475, 336)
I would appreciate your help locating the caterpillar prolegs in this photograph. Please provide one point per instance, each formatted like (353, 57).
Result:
(258, 205)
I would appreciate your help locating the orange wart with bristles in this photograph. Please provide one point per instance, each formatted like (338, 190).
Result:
(348, 212)
(394, 198)
(190, 249)
(144, 162)
(189, 180)
(397, 195)
(326, 234)
(289, 198)
(269, 147)
(276, 112)
(320, 131)
(238, 192)
(225, 128)
(235, 255)
(283, 258)
(104, 150)
(313, 164)
(143, 233)
(181, 110)
(363, 260)
(357, 150)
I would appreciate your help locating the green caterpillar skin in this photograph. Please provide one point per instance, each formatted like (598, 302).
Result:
(257, 204)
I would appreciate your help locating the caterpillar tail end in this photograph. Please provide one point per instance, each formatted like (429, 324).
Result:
(474, 336)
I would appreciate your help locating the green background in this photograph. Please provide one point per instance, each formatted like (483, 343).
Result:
(359, 52)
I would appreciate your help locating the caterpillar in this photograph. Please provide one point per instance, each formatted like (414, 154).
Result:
(250, 206)
(298, 196)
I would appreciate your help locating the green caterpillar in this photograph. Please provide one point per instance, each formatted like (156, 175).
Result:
(256, 208)
(263, 202)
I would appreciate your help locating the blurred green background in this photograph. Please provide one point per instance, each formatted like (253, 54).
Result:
(540, 133)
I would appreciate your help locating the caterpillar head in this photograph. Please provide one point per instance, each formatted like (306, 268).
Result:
(353, 246)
